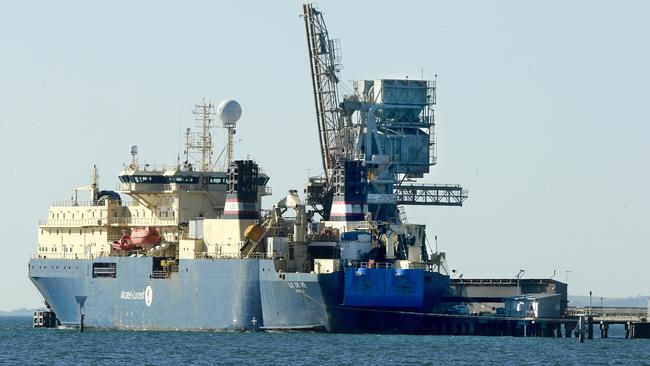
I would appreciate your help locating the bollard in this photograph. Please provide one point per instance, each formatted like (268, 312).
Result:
(80, 308)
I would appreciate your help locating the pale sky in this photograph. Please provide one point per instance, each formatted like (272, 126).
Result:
(542, 115)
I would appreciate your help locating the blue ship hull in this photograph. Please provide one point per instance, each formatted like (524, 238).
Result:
(318, 302)
(216, 294)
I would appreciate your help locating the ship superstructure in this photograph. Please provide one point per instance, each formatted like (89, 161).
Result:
(165, 197)
(192, 248)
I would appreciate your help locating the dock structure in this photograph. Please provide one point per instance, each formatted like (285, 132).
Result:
(540, 311)
(580, 327)
(634, 319)
(482, 325)
(482, 294)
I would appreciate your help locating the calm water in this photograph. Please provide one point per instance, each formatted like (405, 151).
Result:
(20, 344)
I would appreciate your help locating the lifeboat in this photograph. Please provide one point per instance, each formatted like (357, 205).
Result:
(124, 243)
(145, 237)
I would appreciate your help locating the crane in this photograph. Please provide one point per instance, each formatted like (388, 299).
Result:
(324, 60)
(386, 124)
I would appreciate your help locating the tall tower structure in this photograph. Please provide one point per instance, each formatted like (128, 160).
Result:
(229, 112)
(386, 126)
(201, 143)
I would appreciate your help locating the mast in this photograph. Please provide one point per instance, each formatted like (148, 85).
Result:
(202, 142)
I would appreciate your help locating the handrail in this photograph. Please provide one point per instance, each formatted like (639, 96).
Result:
(90, 203)
(143, 221)
(93, 221)
(160, 274)
(152, 168)
(167, 187)
(152, 221)
(375, 265)
(77, 204)
(206, 255)
(36, 255)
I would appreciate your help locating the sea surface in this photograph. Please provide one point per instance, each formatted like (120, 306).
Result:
(20, 344)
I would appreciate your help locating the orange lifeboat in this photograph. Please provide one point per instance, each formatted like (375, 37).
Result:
(145, 237)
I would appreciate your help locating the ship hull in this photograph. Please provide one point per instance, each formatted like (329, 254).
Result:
(204, 294)
(317, 301)
(215, 294)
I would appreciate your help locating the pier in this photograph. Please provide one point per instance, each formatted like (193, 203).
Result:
(634, 319)
(581, 326)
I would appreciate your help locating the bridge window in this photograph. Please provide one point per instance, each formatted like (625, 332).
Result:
(183, 179)
(154, 179)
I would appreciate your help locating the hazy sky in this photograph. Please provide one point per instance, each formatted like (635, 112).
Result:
(542, 114)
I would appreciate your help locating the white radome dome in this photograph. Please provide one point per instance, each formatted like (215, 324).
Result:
(229, 111)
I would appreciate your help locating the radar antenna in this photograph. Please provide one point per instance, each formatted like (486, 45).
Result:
(229, 112)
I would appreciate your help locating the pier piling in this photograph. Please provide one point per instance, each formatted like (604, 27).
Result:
(604, 329)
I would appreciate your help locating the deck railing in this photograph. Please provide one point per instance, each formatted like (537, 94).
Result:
(136, 221)
(69, 255)
(148, 221)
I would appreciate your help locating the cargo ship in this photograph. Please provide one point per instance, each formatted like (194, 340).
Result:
(189, 247)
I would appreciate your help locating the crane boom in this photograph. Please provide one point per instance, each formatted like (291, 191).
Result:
(325, 66)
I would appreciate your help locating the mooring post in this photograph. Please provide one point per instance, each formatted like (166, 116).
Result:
(590, 327)
(80, 306)
(603, 329)
(581, 329)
